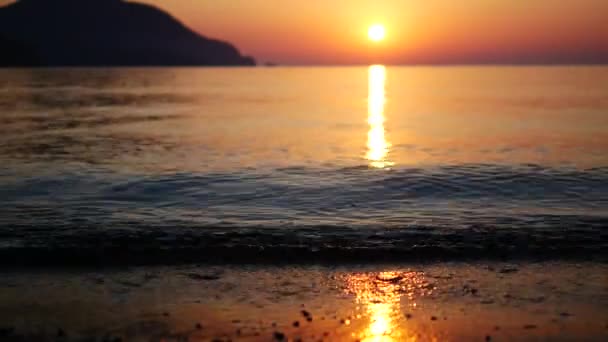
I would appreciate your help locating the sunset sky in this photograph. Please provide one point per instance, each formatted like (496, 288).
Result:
(429, 31)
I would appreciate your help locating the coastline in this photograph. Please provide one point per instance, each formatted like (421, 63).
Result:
(458, 301)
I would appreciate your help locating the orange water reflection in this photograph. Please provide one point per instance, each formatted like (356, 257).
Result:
(380, 296)
(377, 145)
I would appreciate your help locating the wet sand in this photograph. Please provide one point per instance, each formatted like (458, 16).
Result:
(390, 302)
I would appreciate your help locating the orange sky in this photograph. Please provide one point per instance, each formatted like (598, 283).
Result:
(429, 31)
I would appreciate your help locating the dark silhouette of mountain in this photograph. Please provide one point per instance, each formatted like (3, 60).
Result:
(104, 33)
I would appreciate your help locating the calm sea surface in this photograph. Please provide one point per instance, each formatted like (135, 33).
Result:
(395, 160)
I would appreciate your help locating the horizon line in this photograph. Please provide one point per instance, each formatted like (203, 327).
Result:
(312, 65)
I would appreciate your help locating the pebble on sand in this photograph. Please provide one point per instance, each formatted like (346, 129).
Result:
(279, 336)
(196, 276)
(508, 269)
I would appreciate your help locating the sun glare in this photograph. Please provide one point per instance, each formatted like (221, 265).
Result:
(377, 144)
(376, 33)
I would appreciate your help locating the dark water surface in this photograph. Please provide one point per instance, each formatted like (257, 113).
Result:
(303, 163)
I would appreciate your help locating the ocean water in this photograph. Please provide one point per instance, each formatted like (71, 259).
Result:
(345, 163)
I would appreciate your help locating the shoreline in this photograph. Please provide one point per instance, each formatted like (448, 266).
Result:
(96, 246)
(457, 301)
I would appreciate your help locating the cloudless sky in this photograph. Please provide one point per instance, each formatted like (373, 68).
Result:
(429, 31)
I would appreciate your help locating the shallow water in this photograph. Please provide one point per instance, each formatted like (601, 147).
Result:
(473, 160)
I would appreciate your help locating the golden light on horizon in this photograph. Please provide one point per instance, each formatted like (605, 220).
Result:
(376, 33)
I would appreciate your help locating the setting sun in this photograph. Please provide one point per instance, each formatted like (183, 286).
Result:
(376, 32)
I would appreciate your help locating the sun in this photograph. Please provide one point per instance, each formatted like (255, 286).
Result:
(376, 32)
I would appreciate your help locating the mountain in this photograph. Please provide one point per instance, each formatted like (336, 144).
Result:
(104, 33)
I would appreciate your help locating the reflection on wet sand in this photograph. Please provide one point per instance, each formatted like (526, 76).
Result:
(377, 145)
(380, 296)
(437, 302)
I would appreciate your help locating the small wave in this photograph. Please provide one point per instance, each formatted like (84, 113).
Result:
(578, 238)
(301, 213)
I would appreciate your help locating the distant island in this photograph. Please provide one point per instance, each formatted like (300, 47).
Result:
(104, 33)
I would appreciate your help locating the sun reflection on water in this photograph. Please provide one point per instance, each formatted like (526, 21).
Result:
(380, 294)
(377, 145)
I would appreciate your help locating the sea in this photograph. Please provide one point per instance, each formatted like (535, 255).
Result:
(299, 164)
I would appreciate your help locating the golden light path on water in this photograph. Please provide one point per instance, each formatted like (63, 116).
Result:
(377, 145)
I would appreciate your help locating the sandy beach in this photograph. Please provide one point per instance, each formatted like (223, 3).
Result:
(563, 301)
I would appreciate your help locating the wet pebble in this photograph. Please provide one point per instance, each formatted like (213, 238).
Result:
(196, 276)
(468, 289)
(279, 336)
(508, 269)
(296, 324)
(150, 276)
(344, 321)
(394, 279)
(428, 286)
(539, 299)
